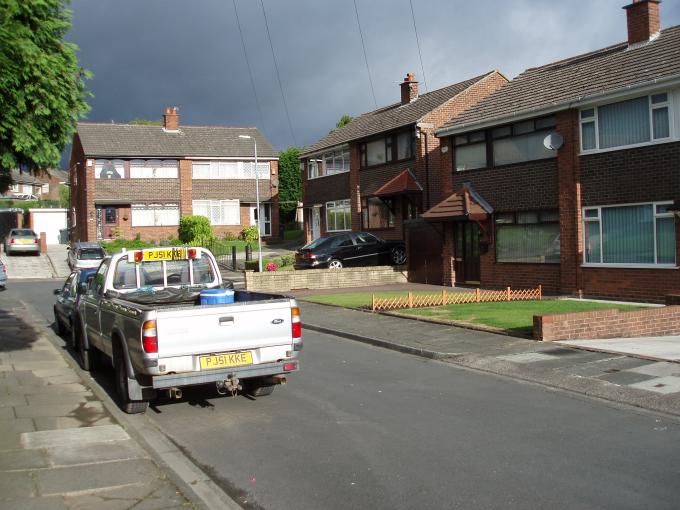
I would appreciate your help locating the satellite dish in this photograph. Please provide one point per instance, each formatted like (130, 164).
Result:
(275, 182)
(553, 141)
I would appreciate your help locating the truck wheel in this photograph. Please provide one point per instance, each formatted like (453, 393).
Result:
(127, 405)
(255, 388)
(58, 325)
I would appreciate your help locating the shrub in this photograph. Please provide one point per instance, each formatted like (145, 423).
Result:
(249, 234)
(251, 265)
(287, 260)
(195, 230)
(271, 267)
(230, 236)
(117, 233)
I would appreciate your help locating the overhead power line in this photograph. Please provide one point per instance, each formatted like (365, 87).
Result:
(278, 77)
(363, 46)
(420, 55)
(250, 71)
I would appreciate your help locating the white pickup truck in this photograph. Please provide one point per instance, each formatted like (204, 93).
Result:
(141, 312)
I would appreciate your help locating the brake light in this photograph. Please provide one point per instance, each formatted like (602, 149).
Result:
(36, 240)
(149, 337)
(289, 367)
(191, 253)
(11, 241)
(139, 256)
(310, 256)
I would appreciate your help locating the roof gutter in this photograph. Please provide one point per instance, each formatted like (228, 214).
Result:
(556, 107)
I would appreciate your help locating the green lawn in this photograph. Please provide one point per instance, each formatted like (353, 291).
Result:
(515, 316)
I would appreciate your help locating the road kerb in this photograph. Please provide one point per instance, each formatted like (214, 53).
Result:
(190, 479)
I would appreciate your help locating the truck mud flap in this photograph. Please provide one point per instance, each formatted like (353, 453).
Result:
(208, 376)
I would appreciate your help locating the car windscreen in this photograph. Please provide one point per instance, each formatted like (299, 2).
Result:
(23, 232)
(91, 254)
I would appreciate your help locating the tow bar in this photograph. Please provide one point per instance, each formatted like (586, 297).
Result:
(229, 385)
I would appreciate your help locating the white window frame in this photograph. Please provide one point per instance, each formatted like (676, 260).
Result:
(599, 208)
(319, 169)
(342, 205)
(669, 103)
(229, 170)
(155, 208)
(219, 204)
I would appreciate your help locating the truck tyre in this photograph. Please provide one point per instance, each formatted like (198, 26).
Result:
(79, 346)
(127, 405)
(58, 325)
(255, 388)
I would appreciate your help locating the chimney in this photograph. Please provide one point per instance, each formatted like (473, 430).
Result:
(171, 119)
(409, 89)
(643, 20)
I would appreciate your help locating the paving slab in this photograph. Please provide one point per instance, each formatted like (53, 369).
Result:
(94, 453)
(94, 477)
(20, 460)
(73, 437)
(17, 484)
(657, 347)
(625, 378)
(62, 422)
(50, 503)
(86, 411)
(663, 385)
(658, 369)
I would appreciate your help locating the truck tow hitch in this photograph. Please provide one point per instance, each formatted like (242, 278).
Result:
(229, 385)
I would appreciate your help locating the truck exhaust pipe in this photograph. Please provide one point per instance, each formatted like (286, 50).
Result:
(174, 393)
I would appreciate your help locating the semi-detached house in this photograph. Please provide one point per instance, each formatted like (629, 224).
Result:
(138, 180)
(379, 172)
(569, 175)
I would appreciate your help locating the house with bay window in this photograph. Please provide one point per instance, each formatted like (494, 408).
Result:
(380, 171)
(569, 175)
(138, 180)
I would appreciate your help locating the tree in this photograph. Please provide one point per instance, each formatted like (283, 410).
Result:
(64, 196)
(344, 120)
(42, 87)
(290, 182)
(145, 122)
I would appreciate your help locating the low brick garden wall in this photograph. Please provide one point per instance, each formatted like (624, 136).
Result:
(608, 324)
(283, 281)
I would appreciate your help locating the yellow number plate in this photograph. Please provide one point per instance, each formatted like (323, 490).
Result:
(165, 254)
(26, 241)
(234, 359)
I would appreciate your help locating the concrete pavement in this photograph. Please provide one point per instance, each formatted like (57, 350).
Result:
(653, 385)
(47, 265)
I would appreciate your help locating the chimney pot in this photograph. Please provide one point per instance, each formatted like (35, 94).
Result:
(171, 119)
(643, 20)
(409, 89)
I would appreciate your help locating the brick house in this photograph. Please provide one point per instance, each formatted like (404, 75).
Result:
(380, 171)
(129, 180)
(41, 185)
(568, 175)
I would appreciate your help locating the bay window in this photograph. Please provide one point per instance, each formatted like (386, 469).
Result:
(153, 215)
(630, 122)
(528, 237)
(338, 216)
(637, 234)
(219, 212)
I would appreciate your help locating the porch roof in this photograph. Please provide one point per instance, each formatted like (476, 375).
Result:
(463, 204)
(401, 184)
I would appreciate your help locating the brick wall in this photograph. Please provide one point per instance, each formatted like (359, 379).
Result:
(326, 189)
(505, 274)
(138, 190)
(186, 187)
(608, 324)
(283, 281)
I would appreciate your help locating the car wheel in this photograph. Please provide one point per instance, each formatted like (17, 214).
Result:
(58, 325)
(127, 405)
(334, 264)
(399, 255)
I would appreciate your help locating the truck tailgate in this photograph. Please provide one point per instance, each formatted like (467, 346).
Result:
(216, 329)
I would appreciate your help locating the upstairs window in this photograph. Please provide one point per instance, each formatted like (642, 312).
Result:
(395, 147)
(470, 151)
(329, 163)
(523, 141)
(631, 122)
(153, 169)
(229, 170)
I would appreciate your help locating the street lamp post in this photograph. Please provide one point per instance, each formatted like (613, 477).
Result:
(257, 200)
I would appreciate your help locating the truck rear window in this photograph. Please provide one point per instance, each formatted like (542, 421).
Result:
(151, 274)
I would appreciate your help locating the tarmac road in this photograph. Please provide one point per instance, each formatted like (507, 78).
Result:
(364, 427)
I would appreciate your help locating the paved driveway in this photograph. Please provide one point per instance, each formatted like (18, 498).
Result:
(27, 266)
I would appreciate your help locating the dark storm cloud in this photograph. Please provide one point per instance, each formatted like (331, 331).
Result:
(149, 54)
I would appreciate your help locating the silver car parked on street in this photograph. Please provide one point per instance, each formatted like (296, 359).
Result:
(82, 255)
(22, 240)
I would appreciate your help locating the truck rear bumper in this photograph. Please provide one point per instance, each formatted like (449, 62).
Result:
(208, 376)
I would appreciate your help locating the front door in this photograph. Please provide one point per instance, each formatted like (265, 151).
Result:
(266, 215)
(107, 220)
(467, 252)
(316, 222)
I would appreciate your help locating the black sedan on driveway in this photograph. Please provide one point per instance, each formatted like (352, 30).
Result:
(349, 249)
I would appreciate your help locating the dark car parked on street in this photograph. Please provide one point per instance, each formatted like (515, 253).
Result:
(68, 297)
(349, 249)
